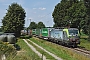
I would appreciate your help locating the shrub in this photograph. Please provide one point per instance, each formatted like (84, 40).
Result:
(7, 49)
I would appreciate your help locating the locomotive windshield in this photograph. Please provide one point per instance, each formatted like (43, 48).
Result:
(73, 32)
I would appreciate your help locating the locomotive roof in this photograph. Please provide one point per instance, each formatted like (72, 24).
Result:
(57, 29)
(73, 29)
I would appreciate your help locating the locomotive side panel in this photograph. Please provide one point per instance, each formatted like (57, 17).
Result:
(57, 35)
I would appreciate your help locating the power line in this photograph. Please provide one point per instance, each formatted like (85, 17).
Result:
(45, 15)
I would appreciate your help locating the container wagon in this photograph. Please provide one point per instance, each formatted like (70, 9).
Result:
(45, 33)
(34, 32)
(38, 33)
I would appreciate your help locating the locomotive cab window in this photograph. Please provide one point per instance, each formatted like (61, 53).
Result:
(73, 32)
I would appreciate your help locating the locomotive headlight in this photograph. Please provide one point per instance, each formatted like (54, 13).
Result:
(68, 39)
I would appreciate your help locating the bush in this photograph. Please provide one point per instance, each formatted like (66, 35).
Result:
(7, 49)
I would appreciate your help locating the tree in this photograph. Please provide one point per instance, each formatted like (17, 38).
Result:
(71, 13)
(78, 16)
(0, 30)
(13, 21)
(32, 25)
(87, 4)
(40, 25)
(60, 13)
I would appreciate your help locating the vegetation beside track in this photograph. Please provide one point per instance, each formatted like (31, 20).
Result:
(42, 52)
(84, 42)
(58, 50)
(8, 50)
(25, 53)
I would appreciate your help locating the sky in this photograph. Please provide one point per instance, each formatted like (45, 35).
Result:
(36, 10)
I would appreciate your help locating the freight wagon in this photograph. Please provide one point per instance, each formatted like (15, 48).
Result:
(38, 33)
(34, 32)
(23, 32)
(45, 33)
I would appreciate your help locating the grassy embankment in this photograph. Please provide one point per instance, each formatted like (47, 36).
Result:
(25, 53)
(85, 43)
(59, 51)
(7, 50)
(42, 52)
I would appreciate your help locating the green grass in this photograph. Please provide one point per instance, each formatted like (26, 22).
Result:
(83, 36)
(85, 43)
(64, 53)
(53, 48)
(25, 52)
(43, 52)
(8, 50)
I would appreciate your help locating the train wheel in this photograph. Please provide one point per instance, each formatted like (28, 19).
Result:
(63, 44)
(60, 43)
(74, 45)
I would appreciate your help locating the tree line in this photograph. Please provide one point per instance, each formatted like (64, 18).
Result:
(38, 25)
(73, 13)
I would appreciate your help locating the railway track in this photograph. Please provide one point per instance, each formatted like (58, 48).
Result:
(78, 50)
(83, 51)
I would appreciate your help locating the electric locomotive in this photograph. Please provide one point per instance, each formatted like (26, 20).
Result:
(67, 36)
(72, 36)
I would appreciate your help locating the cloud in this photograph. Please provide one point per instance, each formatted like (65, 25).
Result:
(41, 16)
(42, 8)
(39, 8)
(34, 8)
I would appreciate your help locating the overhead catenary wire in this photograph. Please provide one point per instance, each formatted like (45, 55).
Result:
(45, 16)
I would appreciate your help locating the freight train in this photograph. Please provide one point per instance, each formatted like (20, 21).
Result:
(63, 36)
